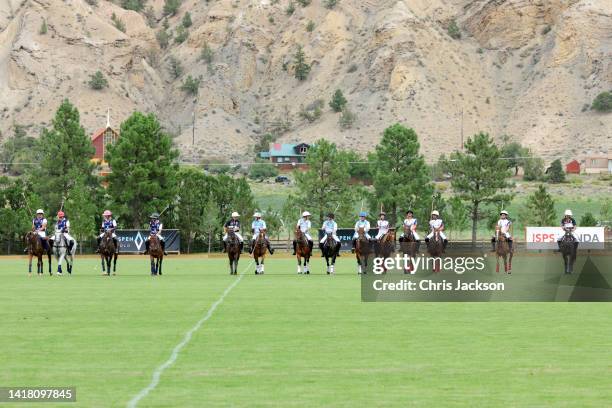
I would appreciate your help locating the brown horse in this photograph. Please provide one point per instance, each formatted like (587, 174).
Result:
(502, 250)
(385, 247)
(36, 248)
(259, 252)
(303, 249)
(108, 253)
(435, 247)
(363, 249)
(233, 251)
(409, 246)
(156, 254)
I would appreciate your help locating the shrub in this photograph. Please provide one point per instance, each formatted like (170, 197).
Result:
(181, 35)
(187, 20)
(175, 67)
(191, 85)
(136, 5)
(546, 30)
(453, 30)
(555, 172)
(290, 8)
(533, 169)
(347, 119)
(338, 101)
(207, 55)
(43, 28)
(352, 68)
(603, 102)
(310, 26)
(330, 4)
(588, 220)
(163, 38)
(312, 112)
(118, 23)
(262, 170)
(304, 3)
(97, 81)
(171, 7)
(92, 2)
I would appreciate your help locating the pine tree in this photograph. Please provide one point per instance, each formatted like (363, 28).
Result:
(175, 67)
(97, 81)
(171, 7)
(302, 69)
(187, 20)
(540, 209)
(603, 102)
(64, 153)
(401, 178)
(143, 163)
(555, 172)
(338, 101)
(478, 175)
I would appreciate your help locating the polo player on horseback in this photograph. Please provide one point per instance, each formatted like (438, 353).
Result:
(569, 222)
(108, 224)
(234, 225)
(436, 224)
(383, 226)
(503, 225)
(304, 225)
(63, 226)
(361, 223)
(155, 228)
(329, 227)
(39, 225)
(412, 224)
(256, 226)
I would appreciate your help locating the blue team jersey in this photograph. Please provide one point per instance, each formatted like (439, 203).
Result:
(38, 223)
(154, 226)
(109, 224)
(61, 224)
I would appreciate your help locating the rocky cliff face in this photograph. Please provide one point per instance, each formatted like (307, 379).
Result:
(525, 68)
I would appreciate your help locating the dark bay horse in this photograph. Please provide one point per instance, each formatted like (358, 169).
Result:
(363, 248)
(330, 249)
(108, 253)
(259, 252)
(568, 247)
(435, 247)
(303, 250)
(36, 248)
(502, 250)
(410, 247)
(385, 246)
(233, 251)
(156, 254)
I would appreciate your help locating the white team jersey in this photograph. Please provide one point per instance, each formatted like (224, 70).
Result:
(258, 225)
(330, 227)
(504, 225)
(436, 224)
(304, 225)
(383, 226)
(365, 224)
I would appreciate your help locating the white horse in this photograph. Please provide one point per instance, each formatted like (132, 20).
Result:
(60, 250)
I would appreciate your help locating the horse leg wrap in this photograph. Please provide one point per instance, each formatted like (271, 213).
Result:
(241, 246)
(294, 245)
(163, 245)
(224, 246)
(493, 244)
(354, 245)
(116, 245)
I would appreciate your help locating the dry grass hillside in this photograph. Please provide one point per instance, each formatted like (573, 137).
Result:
(526, 68)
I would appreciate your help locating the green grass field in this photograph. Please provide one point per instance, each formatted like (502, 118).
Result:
(283, 340)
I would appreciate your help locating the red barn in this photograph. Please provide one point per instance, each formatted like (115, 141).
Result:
(572, 167)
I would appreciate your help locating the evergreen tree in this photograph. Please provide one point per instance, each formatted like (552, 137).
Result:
(175, 67)
(171, 7)
(187, 20)
(338, 101)
(588, 220)
(603, 102)
(143, 163)
(302, 69)
(16, 148)
(15, 219)
(97, 81)
(533, 169)
(136, 5)
(540, 209)
(555, 172)
(64, 153)
(81, 208)
(325, 187)
(401, 178)
(478, 175)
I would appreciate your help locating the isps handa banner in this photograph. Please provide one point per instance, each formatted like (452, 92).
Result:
(133, 241)
(546, 237)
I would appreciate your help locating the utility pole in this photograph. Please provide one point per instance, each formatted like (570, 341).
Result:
(193, 128)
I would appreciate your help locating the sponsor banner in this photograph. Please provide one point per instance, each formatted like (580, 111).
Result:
(478, 278)
(133, 241)
(546, 237)
(346, 236)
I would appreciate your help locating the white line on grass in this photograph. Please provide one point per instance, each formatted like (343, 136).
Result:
(177, 349)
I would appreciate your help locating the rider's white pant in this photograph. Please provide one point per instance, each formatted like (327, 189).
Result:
(307, 235)
(562, 234)
(66, 235)
(431, 235)
(237, 235)
(414, 233)
(102, 235)
(334, 236)
(507, 234)
(380, 234)
(42, 234)
(255, 237)
(158, 236)
(356, 235)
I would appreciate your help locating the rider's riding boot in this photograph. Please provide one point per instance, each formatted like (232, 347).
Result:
(575, 245)
(116, 245)
(310, 245)
(251, 247)
(294, 245)
(241, 246)
(338, 246)
(510, 242)
(224, 247)
(418, 245)
(493, 244)
(146, 247)
(445, 244)
(163, 245)
(321, 248)
(269, 247)
(426, 241)
(98, 248)
(354, 245)
(25, 251)
(70, 245)
(559, 246)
